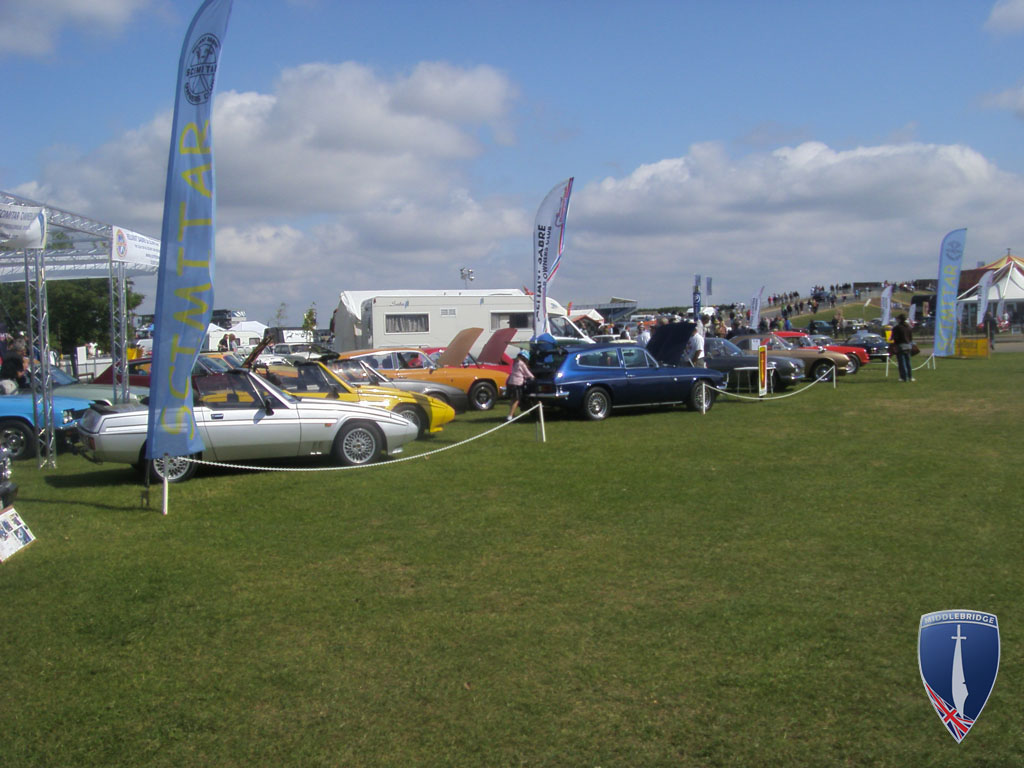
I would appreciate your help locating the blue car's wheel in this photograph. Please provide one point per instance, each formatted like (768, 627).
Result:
(17, 438)
(702, 396)
(597, 404)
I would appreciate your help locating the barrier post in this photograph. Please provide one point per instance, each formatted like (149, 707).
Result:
(165, 489)
(543, 434)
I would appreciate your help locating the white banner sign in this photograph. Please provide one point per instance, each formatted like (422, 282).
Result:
(14, 534)
(22, 226)
(133, 248)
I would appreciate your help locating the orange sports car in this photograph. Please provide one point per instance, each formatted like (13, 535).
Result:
(483, 384)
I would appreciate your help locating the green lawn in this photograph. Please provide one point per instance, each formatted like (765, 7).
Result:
(662, 589)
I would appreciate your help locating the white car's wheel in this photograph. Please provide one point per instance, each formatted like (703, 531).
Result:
(176, 468)
(358, 443)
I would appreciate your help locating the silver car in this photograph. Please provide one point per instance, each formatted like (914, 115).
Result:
(241, 416)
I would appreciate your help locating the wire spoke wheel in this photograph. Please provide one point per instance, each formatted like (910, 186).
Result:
(358, 444)
(174, 468)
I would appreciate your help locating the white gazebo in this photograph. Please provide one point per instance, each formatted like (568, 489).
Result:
(1006, 288)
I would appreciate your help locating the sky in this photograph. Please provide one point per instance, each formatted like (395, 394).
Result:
(385, 144)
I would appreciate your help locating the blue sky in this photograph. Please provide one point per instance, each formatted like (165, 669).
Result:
(386, 144)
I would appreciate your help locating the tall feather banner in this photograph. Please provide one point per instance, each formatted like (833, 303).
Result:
(184, 298)
(549, 226)
(951, 254)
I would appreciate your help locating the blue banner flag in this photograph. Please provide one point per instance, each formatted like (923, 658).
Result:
(951, 255)
(548, 232)
(184, 297)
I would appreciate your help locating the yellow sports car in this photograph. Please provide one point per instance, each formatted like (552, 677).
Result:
(484, 384)
(310, 378)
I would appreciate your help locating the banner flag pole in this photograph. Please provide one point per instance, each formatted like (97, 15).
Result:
(184, 295)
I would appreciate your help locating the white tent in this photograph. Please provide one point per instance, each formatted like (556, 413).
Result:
(1007, 286)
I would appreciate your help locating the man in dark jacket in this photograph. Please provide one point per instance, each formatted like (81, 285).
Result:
(903, 340)
(991, 326)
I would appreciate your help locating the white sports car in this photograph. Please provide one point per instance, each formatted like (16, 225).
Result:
(242, 416)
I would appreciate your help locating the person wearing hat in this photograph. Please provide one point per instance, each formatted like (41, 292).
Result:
(517, 379)
(903, 341)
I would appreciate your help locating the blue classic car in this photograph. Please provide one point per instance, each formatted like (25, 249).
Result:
(593, 380)
(18, 433)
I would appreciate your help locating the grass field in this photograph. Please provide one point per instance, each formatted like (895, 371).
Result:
(664, 588)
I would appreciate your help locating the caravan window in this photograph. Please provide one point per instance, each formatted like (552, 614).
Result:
(406, 323)
(511, 320)
(562, 326)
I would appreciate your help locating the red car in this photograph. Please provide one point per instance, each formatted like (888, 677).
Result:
(858, 355)
(138, 370)
(492, 356)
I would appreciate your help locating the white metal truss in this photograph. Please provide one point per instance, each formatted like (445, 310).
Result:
(90, 258)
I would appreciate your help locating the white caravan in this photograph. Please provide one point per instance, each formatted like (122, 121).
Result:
(367, 319)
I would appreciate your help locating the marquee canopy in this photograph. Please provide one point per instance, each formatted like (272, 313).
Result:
(1007, 281)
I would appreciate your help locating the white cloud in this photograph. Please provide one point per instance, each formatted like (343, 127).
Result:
(788, 219)
(1007, 16)
(335, 170)
(32, 28)
(343, 179)
(1011, 100)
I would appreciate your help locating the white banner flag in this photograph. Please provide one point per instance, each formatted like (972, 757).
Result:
(984, 286)
(755, 308)
(22, 226)
(886, 304)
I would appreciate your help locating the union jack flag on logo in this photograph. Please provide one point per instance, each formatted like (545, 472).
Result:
(958, 654)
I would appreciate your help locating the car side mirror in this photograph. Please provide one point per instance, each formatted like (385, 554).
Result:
(268, 405)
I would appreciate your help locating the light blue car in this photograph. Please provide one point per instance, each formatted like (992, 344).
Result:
(18, 433)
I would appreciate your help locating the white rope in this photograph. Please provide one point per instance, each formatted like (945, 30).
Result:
(927, 360)
(363, 466)
(822, 377)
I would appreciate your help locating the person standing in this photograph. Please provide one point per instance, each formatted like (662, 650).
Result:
(990, 329)
(644, 336)
(695, 350)
(15, 364)
(903, 340)
(517, 379)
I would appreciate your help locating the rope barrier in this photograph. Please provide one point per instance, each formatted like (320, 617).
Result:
(822, 377)
(927, 360)
(363, 466)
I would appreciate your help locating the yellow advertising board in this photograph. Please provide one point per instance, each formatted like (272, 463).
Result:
(972, 347)
(762, 371)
